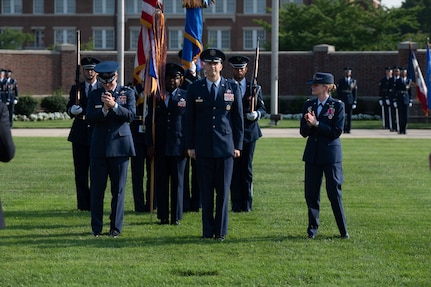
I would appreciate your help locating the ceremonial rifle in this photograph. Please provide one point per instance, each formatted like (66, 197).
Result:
(78, 67)
(254, 91)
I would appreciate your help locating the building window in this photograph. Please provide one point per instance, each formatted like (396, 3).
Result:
(64, 36)
(250, 38)
(104, 39)
(174, 7)
(133, 6)
(255, 7)
(219, 38)
(134, 35)
(104, 7)
(38, 35)
(38, 6)
(65, 7)
(176, 39)
(11, 6)
(297, 2)
(222, 7)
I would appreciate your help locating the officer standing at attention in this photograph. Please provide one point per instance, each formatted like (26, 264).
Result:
(403, 100)
(393, 99)
(242, 178)
(168, 146)
(323, 122)
(347, 92)
(12, 94)
(81, 130)
(110, 109)
(140, 163)
(386, 85)
(214, 137)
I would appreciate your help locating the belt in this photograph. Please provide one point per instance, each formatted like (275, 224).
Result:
(80, 117)
(346, 91)
(139, 118)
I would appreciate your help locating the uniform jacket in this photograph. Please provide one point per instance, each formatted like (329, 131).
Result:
(137, 126)
(11, 89)
(252, 130)
(403, 91)
(323, 143)
(7, 146)
(169, 125)
(214, 128)
(111, 135)
(385, 88)
(347, 92)
(81, 129)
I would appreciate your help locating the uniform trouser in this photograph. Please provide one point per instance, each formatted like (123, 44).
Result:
(11, 108)
(241, 188)
(386, 111)
(100, 169)
(403, 114)
(138, 165)
(313, 181)
(191, 198)
(214, 174)
(81, 162)
(169, 179)
(393, 117)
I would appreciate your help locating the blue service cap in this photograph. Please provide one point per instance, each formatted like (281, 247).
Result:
(173, 69)
(107, 71)
(322, 78)
(89, 63)
(213, 55)
(239, 62)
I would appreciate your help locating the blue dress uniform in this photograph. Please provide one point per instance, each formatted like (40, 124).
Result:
(169, 149)
(80, 134)
(11, 94)
(403, 99)
(323, 155)
(347, 92)
(386, 85)
(7, 146)
(393, 99)
(242, 178)
(215, 129)
(111, 146)
(140, 163)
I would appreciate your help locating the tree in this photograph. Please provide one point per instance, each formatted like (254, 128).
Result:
(424, 12)
(12, 39)
(348, 26)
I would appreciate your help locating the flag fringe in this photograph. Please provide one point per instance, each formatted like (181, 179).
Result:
(198, 3)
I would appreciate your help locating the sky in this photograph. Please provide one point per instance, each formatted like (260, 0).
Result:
(392, 3)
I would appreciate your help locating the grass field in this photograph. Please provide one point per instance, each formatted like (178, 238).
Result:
(386, 194)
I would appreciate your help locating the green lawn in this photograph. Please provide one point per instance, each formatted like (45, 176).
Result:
(386, 194)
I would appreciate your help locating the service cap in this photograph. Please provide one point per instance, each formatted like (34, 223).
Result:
(322, 78)
(89, 63)
(213, 55)
(239, 62)
(106, 71)
(173, 69)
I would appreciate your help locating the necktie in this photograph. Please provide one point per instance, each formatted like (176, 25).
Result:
(168, 96)
(213, 93)
(319, 109)
(90, 88)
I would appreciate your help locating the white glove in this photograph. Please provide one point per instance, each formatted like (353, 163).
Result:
(380, 102)
(252, 116)
(388, 102)
(75, 110)
(395, 105)
(353, 106)
(15, 102)
(410, 105)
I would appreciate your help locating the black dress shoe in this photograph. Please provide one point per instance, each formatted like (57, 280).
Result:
(96, 234)
(219, 237)
(164, 221)
(311, 236)
(345, 236)
(114, 233)
(175, 222)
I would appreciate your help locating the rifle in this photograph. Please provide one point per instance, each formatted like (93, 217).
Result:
(78, 67)
(254, 91)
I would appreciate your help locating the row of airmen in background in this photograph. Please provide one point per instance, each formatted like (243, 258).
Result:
(395, 99)
(8, 91)
(176, 189)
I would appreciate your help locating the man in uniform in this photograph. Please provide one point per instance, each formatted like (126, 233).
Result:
(386, 85)
(347, 92)
(393, 98)
(214, 137)
(12, 94)
(80, 132)
(242, 178)
(403, 100)
(3, 91)
(167, 146)
(110, 109)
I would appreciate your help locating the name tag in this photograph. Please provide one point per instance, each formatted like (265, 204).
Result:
(98, 106)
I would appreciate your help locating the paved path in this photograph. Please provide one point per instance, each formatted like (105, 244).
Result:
(267, 133)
